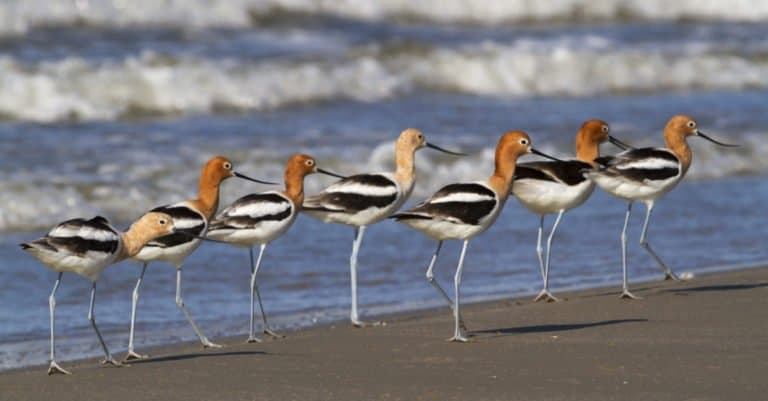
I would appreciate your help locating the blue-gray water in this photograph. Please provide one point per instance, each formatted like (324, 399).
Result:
(113, 111)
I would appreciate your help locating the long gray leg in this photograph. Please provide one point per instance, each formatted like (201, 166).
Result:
(255, 290)
(625, 293)
(433, 281)
(54, 367)
(180, 302)
(92, 318)
(539, 249)
(133, 355)
(354, 317)
(457, 335)
(545, 294)
(668, 275)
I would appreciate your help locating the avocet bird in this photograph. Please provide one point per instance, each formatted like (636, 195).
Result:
(646, 175)
(86, 247)
(191, 218)
(365, 199)
(546, 187)
(261, 218)
(462, 211)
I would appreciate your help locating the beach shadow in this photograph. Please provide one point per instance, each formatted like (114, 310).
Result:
(182, 357)
(722, 287)
(555, 327)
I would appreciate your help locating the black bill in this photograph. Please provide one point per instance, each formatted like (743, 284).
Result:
(728, 145)
(619, 144)
(435, 147)
(245, 177)
(326, 172)
(542, 154)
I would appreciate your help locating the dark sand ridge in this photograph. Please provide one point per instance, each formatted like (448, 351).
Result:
(702, 340)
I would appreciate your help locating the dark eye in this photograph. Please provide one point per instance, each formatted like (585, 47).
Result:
(228, 165)
(310, 162)
(691, 124)
(162, 222)
(421, 136)
(523, 141)
(605, 128)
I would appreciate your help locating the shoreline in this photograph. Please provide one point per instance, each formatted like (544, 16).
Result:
(518, 298)
(704, 339)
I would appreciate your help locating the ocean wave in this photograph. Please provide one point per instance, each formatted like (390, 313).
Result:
(33, 199)
(19, 16)
(152, 84)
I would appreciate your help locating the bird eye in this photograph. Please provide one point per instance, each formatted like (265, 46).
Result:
(228, 165)
(691, 124)
(523, 141)
(310, 162)
(162, 222)
(605, 128)
(421, 136)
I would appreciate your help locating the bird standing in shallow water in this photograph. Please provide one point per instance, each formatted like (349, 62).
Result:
(191, 218)
(646, 174)
(86, 247)
(261, 218)
(365, 199)
(546, 187)
(463, 211)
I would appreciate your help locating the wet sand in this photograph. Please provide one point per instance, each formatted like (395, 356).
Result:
(706, 339)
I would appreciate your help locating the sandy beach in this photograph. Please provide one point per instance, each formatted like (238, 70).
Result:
(701, 340)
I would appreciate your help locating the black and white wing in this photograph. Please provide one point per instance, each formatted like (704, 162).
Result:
(252, 210)
(74, 240)
(466, 203)
(355, 193)
(567, 172)
(642, 165)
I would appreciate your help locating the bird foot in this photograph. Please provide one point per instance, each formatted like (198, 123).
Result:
(134, 356)
(273, 334)
(458, 338)
(111, 361)
(546, 296)
(253, 339)
(360, 324)
(54, 368)
(628, 295)
(208, 344)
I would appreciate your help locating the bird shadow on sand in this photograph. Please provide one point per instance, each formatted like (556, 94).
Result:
(546, 328)
(182, 357)
(720, 287)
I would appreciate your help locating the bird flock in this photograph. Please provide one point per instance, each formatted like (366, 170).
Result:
(458, 211)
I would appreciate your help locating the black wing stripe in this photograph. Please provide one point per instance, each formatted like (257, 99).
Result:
(244, 222)
(80, 246)
(641, 174)
(467, 213)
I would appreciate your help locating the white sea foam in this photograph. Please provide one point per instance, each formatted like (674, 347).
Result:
(19, 16)
(150, 83)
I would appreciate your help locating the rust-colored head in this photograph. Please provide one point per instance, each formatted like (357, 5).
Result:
(512, 145)
(591, 134)
(299, 166)
(681, 126)
(216, 170)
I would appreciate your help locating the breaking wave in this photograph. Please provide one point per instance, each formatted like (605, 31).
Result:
(153, 84)
(19, 16)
